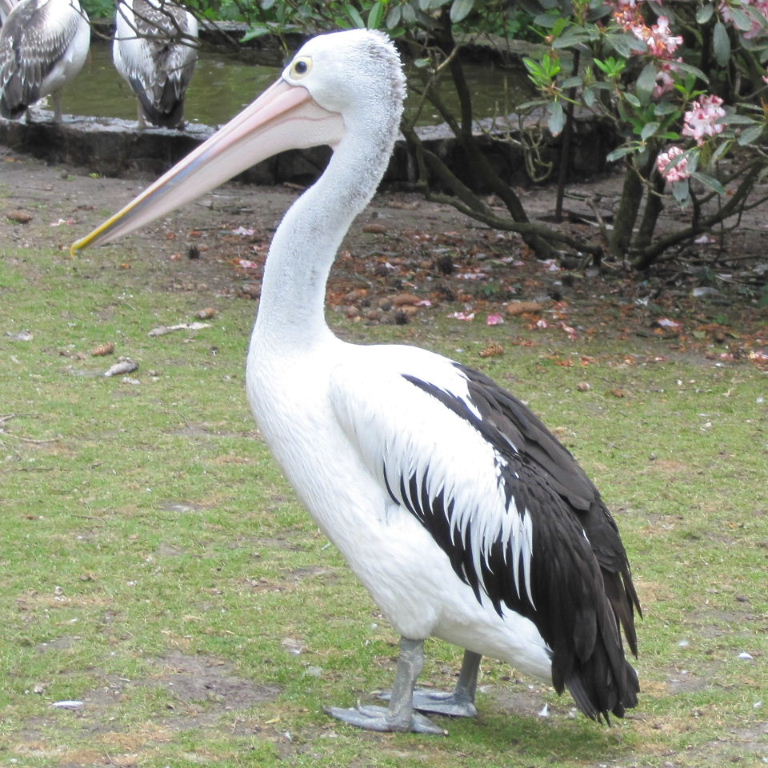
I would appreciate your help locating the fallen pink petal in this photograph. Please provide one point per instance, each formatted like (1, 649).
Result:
(494, 320)
(462, 316)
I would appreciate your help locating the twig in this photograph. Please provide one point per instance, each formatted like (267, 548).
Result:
(31, 439)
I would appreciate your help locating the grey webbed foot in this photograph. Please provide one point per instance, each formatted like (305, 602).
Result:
(440, 702)
(373, 718)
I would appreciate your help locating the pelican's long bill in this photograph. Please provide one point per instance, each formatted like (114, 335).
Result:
(284, 117)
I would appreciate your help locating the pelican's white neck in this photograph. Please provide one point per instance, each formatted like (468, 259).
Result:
(292, 306)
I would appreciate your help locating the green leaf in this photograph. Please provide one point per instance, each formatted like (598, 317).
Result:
(255, 31)
(691, 70)
(649, 129)
(620, 152)
(704, 14)
(721, 151)
(393, 17)
(741, 20)
(409, 14)
(571, 37)
(460, 9)
(625, 45)
(721, 44)
(709, 181)
(664, 108)
(572, 82)
(735, 119)
(556, 119)
(559, 26)
(681, 191)
(267, 4)
(633, 100)
(646, 82)
(355, 16)
(750, 135)
(376, 15)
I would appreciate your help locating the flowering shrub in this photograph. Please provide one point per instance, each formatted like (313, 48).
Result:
(682, 81)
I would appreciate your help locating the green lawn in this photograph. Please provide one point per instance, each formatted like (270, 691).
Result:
(157, 568)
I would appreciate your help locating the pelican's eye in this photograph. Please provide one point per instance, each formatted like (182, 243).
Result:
(301, 66)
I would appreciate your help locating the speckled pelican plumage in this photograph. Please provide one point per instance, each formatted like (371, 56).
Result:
(461, 513)
(155, 52)
(43, 45)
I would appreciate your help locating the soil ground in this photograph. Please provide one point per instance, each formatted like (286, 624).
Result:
(405, 256)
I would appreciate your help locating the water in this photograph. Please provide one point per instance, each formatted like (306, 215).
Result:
(222, 86)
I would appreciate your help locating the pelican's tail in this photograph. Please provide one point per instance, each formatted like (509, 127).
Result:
(165, 109)
(15, 98)
(600, 679)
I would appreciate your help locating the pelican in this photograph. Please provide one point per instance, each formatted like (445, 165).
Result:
(154, 51)
(43, 45)
(460, 512)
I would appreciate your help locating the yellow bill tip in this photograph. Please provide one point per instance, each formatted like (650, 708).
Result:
(97, 233)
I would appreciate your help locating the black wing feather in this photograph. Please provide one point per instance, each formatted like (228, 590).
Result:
(581, 586)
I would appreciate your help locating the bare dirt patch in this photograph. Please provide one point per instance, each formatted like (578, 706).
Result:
(407, 258)
(206, 689)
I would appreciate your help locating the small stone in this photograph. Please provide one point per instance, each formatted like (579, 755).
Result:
(523, 307)
(20, 216)
(68, 704)
(404, 299)
(103, 349)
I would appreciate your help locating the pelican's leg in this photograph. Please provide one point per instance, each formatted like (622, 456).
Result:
(457, 703)
(400, 715)
(56, 96)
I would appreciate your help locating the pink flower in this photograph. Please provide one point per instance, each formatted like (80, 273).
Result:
(494, 320)
(660, 42)
(701, 119)
(678, 172)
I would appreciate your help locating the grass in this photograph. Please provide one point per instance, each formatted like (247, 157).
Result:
(157, 568)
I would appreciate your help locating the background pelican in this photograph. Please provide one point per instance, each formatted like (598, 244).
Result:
(43, 45)
(461, 513)
(155, 51)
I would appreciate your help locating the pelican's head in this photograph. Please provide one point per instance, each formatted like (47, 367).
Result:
(332, 86)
